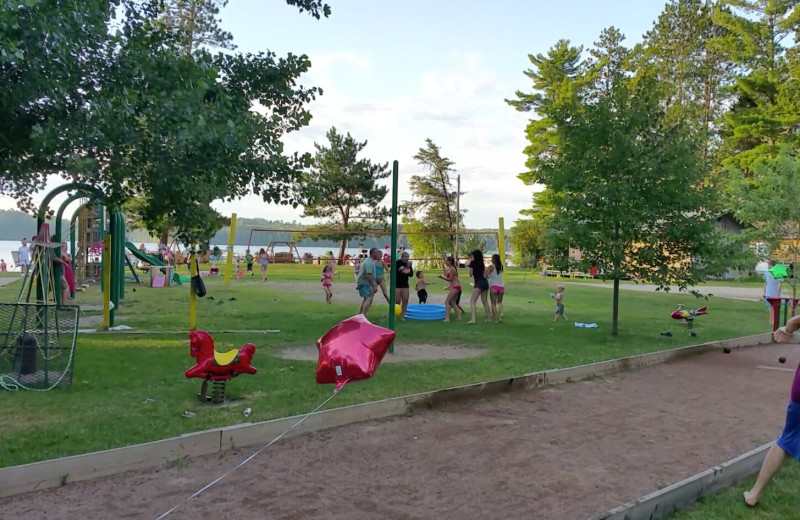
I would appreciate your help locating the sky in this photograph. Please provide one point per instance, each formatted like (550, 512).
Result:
(395, 73)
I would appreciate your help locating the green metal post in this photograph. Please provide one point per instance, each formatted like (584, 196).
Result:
(73, 232)
(58, 269)
(120, 240)
(392, 274)
(113, 265)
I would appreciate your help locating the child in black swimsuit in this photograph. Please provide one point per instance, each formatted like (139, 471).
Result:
(422, 293)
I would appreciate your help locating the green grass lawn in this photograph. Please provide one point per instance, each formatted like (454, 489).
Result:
(780, 500)
(115, 373)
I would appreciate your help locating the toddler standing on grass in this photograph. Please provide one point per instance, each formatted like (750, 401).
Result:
(327, 282)
(558, 296)
(422, 293)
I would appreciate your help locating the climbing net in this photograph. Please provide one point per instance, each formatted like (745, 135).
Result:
(37, 336)
(37, 345)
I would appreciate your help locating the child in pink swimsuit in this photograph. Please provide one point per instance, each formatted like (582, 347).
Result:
(454, 293)
(327, 282)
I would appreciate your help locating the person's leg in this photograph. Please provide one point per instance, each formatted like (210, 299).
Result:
(367, 304)
(485, 301)
(403, 302)
(64, 291)
(772, 463)
(473, 303)
(493, 296)
(500, 305)
(774, 460)
(448, 304)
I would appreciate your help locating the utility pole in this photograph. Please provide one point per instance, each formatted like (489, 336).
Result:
(458, 217)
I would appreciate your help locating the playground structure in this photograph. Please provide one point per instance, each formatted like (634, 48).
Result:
(787, 305)
(293, 256)
(217, 367)
(37, 334)
(687, 316)
(296, 257)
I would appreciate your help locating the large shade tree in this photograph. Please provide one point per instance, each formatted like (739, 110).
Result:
(128, 112)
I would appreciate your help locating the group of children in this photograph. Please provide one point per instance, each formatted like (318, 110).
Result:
(488, 281)
(329, 271)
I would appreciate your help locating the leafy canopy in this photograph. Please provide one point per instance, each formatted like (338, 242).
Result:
(129, 112)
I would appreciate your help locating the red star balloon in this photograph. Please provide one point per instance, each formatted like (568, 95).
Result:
(351, 351)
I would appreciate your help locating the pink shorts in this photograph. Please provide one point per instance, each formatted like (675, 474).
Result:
(499, 289)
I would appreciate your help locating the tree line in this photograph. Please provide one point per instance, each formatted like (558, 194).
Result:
(638, 148)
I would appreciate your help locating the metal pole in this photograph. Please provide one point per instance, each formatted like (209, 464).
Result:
(501, 246)
(392, 274)
(458, 218)
(192, 296)
(231, 237)
(106, 281)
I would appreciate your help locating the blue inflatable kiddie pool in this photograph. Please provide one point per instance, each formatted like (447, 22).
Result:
(426, 312)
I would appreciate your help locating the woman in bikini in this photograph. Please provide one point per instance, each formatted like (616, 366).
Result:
(451, 276)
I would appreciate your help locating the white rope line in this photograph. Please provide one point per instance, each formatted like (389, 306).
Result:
(251, 457)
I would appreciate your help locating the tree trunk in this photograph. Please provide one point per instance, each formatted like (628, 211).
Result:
(794, 266)
(617, 261)
(343, 242)
(615, 307)
(164, 238)
(342, 248)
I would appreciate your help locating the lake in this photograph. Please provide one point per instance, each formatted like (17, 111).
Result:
(7, 246)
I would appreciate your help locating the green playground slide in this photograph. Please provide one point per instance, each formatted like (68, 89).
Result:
(142, 256)
(150, 260)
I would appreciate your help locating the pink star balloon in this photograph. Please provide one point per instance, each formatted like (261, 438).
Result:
(351, 351)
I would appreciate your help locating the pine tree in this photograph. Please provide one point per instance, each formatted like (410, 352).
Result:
(753, 128)
(344, 188)
(432, 207)
(196, 23)
(610, 61)
(682, 52)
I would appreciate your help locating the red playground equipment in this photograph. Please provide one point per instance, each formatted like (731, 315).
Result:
(688, 316)
(217, 367)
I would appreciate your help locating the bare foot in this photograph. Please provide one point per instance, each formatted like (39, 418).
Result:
(472, 322)
(749, 499)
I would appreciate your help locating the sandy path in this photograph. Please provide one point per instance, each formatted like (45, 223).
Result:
(560, 453)
(735, 293)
